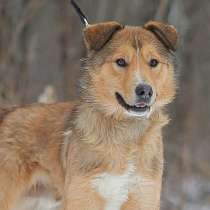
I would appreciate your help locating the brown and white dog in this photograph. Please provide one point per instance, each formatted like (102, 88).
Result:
(103, 152)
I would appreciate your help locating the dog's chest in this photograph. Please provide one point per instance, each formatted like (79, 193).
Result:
(115, 188)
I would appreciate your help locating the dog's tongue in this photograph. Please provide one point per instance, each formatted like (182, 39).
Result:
(140, 104)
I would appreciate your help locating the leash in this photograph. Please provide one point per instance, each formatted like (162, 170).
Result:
(82, 16)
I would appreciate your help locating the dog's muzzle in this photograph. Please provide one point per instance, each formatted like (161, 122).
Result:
(142, 105)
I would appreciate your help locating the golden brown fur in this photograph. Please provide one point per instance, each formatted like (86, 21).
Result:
(68, 145)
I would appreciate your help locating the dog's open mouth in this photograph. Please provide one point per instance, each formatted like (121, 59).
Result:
(138, 107)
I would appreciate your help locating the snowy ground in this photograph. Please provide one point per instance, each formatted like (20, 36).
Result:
(189, 193)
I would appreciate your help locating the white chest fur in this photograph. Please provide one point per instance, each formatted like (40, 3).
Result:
(115, 188)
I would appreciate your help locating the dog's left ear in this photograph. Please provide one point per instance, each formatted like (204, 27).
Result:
(166, 33)
(97, 35)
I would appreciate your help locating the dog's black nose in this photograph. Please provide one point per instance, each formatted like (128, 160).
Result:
(144, 92)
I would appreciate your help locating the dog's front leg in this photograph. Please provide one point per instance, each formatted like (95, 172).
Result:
(11, 188)
(146, 197)
(79, 195)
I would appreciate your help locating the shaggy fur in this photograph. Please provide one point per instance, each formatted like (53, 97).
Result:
(93, 153)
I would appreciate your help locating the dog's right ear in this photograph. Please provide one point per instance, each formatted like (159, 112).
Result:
(97, 35)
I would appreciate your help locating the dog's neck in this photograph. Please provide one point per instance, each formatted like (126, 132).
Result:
(99, 129)
(104, 140)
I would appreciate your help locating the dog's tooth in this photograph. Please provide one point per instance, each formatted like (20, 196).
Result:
(141, 105)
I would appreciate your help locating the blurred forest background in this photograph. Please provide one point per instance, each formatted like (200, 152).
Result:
(40, 50)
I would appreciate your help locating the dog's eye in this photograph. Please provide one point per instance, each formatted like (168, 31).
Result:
(121, 62)
(153, 62)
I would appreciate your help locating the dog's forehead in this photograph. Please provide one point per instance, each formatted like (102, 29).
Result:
(138, 37)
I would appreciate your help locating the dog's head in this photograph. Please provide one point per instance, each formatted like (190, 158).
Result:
(130, 70)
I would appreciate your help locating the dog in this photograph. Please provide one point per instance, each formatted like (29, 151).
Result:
(104, 151)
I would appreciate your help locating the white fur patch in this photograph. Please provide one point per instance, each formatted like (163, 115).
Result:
(137, 74)
(115, 188)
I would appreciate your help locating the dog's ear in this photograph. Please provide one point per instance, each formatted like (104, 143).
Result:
(97, 35)
(166, 33)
